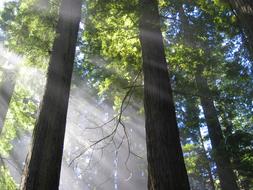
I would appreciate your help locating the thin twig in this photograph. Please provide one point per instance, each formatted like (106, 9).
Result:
(123, 107)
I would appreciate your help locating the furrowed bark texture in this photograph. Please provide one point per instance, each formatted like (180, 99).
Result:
(165, 158)
(42, 171)
(6, 91)
(223, 163)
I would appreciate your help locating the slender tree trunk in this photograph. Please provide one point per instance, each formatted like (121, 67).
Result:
(208, 167)
(42, 171)
(224, 169)
(192, 122)
(166, 166)
(6, 91)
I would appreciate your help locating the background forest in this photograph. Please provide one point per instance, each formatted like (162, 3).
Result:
(131, 80)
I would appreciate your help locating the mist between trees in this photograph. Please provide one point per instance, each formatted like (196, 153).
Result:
(139, 94)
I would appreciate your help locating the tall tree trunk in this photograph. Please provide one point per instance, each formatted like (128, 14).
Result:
(224, 169)
(208, 167)
(42, 170)
(6, 91)
(166, 166)
(192, 122)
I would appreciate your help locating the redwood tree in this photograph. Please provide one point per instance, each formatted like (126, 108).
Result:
(221, 157)
(192, 123)
(166, 166)
(42, 170)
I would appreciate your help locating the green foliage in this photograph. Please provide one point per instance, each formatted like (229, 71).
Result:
(228, 78)
(240, 145)
(8, 14)
(6, 181)
(21, 117)
(222, 15)
(112, 53)
(111, 47)
(196, 165)
(29, 31)
(109, 58)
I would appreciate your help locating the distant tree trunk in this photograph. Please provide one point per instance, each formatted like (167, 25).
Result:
(42, 170)
(166, 166)
(243, 9)
(208, 167)
(192, 122)
(222, 160)
(6, 91)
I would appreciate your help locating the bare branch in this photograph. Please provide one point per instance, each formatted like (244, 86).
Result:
(124, 104)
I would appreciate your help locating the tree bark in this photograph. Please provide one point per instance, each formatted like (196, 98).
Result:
(42, 170)
(166, 166)
(222, 160)
(6, 91)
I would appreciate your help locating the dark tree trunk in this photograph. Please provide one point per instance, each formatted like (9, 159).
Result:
(224, 169)
(243, 9)
(42, 171)
(166, 166)
(6, 91)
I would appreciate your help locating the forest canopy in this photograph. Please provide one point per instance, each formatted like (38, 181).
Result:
(137, 94)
